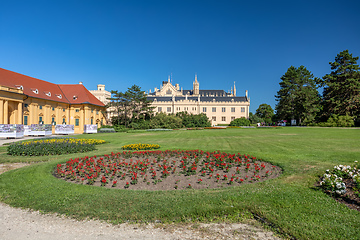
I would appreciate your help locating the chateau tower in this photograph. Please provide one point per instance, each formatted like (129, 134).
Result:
(196, 86)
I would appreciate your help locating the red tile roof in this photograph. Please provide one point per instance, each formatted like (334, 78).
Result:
(37, 88)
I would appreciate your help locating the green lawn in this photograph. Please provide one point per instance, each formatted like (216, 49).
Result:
(290, 203)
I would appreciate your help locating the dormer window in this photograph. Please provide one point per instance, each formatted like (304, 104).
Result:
(58, 95)
(48, 94)
(35, 90)
(19, 87)
(75, 97)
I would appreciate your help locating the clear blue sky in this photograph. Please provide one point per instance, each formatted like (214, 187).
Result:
(121, 43)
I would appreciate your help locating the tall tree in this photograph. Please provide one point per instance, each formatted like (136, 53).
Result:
(131, 106)
(298, 97)
(265, 112)
(341, 93)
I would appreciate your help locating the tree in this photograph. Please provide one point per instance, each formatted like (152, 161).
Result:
(298, 97)
(265, 112)
(255, 118)
(341, 93)
(131, 106)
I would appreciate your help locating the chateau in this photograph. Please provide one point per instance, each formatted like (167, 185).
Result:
(219, 106)
(26, 100)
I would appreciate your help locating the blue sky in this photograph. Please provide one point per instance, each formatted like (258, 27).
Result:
(121, 43)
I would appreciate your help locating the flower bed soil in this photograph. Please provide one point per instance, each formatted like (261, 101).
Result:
(167, 170)
(350, 198)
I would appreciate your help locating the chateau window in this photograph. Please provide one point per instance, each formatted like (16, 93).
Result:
(77, 122)
(223, 119)
(214, 109)
(40, 107)
(204, 109)
(40, 120)
(232, 109)
(52, 120)
(25, 120)
(242, 109)
(63, 122)
(159, 109)
(92, 121)
(53, 108)
(223, 109)
(77, 110)
(214, 119)
(63, 109)
(169, 109)
(26, 105)
(232, 118)
(97, 112)
(92, 110)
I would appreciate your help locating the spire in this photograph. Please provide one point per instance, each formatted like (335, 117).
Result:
(234, 93)
(196, 86)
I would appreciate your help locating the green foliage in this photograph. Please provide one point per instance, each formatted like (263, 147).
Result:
(338, 121)
(265, 112)
(131, 106)
(162, 120)
(298, 97)
(52, 147)
(341, 93)
(191, 120)
(255, 118)
(240, 122)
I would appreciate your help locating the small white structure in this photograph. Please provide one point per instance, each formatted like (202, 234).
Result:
(40, 130)
(90, 128)
(11, 130)
(64, 129)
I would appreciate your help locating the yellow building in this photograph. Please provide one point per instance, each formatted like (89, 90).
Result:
(219, 106)
(26, 100)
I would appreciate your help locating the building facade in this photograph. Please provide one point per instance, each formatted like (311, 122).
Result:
(104, 96)
(26, 100)
(219, 106)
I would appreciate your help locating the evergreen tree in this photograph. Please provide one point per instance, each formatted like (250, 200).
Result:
(265, 112)
(341, 95)
(131, 106)
(298, 97)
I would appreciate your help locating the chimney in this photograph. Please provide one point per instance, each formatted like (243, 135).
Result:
(81, 83)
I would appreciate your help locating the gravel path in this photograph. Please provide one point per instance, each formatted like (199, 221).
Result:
(22, 224)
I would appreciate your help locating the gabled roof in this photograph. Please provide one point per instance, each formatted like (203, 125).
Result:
(78, 94)
(37, 88)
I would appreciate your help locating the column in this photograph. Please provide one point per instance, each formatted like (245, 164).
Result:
(2, 111)
(20, 111)
(6, 111)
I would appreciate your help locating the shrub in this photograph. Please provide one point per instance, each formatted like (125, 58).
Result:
(240, 122)
(162, 120)
(338, 121)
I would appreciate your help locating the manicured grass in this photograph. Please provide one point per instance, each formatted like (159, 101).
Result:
(290, 203)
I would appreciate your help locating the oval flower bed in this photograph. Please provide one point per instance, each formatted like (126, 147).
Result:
(166, 170)
(140, 146)
(53, 146)
(343, 183)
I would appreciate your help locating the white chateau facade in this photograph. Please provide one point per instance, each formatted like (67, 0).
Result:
(219, 106)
